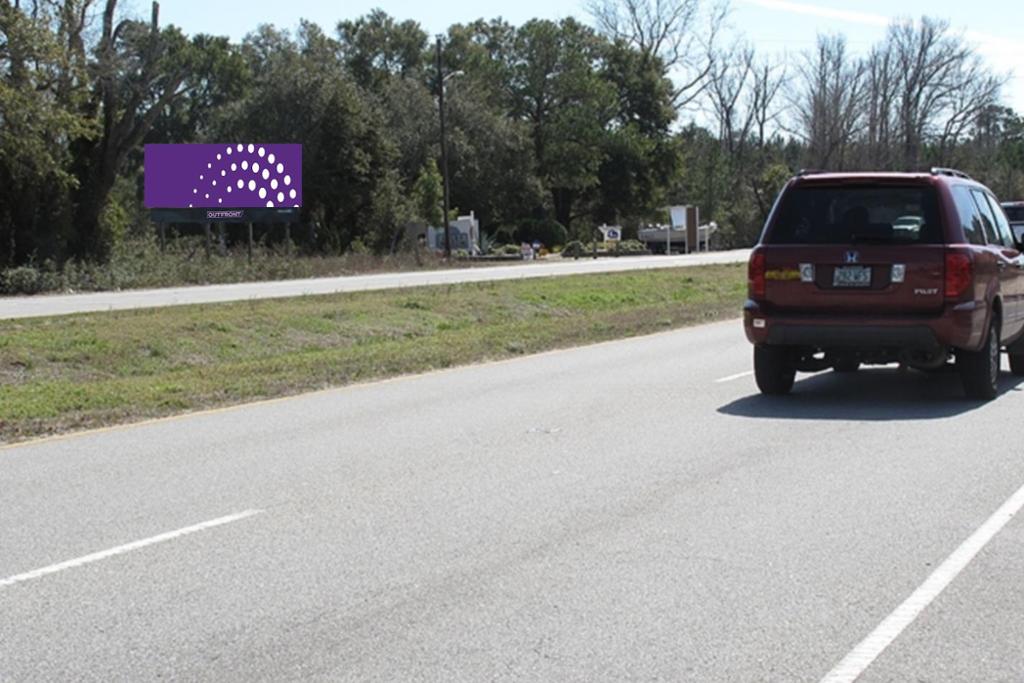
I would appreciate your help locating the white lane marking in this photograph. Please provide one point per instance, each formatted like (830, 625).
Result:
(861, 657)
(738, 375)
(128, 547)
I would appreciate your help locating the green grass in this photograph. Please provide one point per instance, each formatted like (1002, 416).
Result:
(73, 372)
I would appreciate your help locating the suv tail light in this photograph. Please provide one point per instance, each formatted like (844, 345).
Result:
(959, 274)
(756, 275)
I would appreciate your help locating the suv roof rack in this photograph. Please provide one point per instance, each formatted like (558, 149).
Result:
(940, 170)
(809, 171)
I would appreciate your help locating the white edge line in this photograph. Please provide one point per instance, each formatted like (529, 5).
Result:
(861, 657)
(128, 547)
(738, 375)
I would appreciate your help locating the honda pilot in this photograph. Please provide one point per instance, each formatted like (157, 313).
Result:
(853, 269)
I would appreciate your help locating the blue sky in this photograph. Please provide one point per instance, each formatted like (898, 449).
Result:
(773, 26)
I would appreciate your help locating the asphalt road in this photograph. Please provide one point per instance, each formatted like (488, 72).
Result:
(63, 304)
(631, 510)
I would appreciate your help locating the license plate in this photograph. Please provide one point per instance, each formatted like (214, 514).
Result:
(851, 276)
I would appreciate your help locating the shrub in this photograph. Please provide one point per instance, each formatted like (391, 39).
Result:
(21, 280)
(548, 232)
(504, 235)
(358, 247)
(573, 249)
(631, 247)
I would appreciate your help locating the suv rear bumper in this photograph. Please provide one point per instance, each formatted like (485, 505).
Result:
(958, 326)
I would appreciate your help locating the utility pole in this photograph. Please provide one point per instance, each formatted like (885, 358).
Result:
(444, 154)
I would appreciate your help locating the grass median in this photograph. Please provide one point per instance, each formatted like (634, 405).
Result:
(74, 372)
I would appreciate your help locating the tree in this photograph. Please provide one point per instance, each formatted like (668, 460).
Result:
(640, 159)
(136, 70)
(910, 103)
(942, 84)
(828, 102)
(427, 192)
(376, 46)
(35, 217)
(669, 31)
(728, 84)
(491, 165)
(351, 186)
(548, 120)
(556, 89)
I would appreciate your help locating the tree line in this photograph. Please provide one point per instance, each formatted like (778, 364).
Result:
(554, 127)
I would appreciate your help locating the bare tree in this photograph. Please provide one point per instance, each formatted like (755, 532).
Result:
(768, 80)
(918, 93)
(943, 86)
(827, 100)
(880, 96)
(764, 110)
(679, 33)
(728, 82)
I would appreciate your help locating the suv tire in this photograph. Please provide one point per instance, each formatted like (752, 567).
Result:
(979, 370)
(847, 366)
(773, 370)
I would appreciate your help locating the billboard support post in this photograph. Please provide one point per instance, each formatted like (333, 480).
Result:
(692, 229)
(207, 238)
(249, 225)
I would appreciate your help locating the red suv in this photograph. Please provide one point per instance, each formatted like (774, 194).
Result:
(875, 268)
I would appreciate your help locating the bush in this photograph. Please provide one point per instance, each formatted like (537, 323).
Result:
(504, 235)
(21, 280)
(574, 249)
(627, 247)
(137, 262)
(358, 247)
(548, 232)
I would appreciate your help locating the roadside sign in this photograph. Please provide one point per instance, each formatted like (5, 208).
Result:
(223, 176)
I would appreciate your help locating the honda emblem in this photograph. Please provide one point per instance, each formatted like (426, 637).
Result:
(851, 257)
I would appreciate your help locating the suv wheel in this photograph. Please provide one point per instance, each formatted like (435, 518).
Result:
(846, 366)
(773, 369)
(979, 370)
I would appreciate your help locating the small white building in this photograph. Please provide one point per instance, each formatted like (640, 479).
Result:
(465, 235)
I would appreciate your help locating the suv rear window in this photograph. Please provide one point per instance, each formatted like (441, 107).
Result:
(846, 214)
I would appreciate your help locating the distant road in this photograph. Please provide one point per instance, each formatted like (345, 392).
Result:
(34, 307)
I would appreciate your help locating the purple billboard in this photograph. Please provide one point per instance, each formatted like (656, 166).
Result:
(223, 176)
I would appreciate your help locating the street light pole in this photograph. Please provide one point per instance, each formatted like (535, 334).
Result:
(444, 154)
